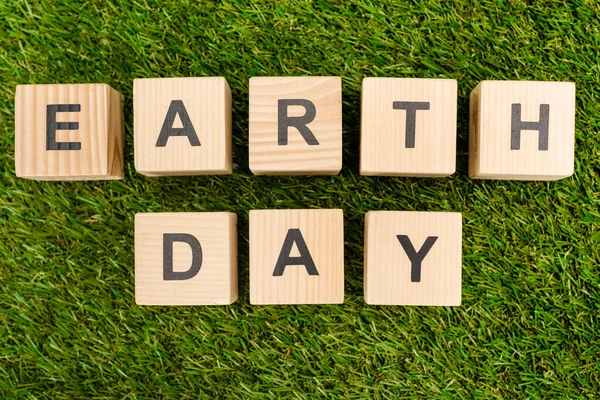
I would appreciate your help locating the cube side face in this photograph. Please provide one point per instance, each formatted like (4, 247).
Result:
(233, 249)
(116, 143)
(308, 110)
(182, 126)
(511, 139)
(474, 118)
(63, 131)
(408, 127)
(185, 258)
(366, 285)
(392, 276)
(296, 257)
(227, 163)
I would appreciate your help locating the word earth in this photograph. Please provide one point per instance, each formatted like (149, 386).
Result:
(182, 126)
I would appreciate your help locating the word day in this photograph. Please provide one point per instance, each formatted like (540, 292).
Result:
(183, 126)
(297, 257)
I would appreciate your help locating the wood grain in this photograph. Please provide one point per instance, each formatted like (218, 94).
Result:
(323, 233)
(490, 154)
(217, 281)
(383, 128)
(387, 272)
(208, 104)
(266, 156)
(100, 132)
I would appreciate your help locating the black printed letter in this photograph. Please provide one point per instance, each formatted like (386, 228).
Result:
(411, 108)
(516, 126)
(416, 258)
(52, 126)
(283, 121)
(168, 273)
(177, 108)
(294, 236)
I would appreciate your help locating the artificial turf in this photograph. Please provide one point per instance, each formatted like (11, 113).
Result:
(528, 325)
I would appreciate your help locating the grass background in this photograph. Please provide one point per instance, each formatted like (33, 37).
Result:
(528, 326)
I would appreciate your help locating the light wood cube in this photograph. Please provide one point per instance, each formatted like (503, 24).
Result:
(413, 258)
(295, 125)
(68, 132)
(186, 258)
(182, 126)
(408, 127)
(296, 257)
(522, 130)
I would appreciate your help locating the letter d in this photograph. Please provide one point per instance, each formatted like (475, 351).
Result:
(168, 240)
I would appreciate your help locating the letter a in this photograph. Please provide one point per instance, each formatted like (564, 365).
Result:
(294, 236)
(177, 108)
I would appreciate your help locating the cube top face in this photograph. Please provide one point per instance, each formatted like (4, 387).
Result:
(408, 127)
(185, 258)
(295, 125)
(296, 257)
(413, 258)
(522, 130)
(68, 132)
(182, 126)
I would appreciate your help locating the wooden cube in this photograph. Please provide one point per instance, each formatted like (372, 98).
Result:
(182, 126)
(408, 127)
(413, 258)
(296, 257)
(186, 258)
(295, 125)
(68, 132)
(522, 130)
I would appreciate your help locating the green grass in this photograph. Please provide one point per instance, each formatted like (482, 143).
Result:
(528, 326)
